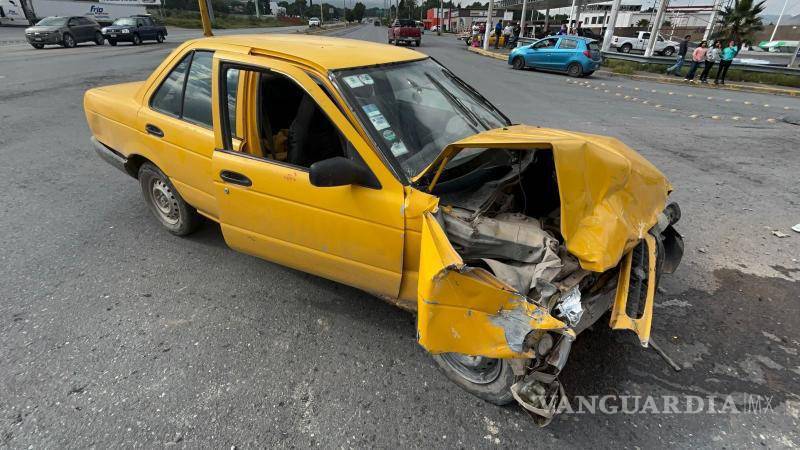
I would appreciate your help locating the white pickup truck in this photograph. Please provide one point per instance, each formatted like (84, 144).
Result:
(626, 44)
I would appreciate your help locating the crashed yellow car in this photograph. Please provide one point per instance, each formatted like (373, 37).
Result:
(377, 167)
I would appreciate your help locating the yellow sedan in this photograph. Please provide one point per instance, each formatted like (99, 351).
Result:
(377, 167)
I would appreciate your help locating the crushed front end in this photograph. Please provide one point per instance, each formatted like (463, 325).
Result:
(535, 237)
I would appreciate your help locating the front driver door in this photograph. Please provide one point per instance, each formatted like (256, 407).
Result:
(539, 54)
(267, 205)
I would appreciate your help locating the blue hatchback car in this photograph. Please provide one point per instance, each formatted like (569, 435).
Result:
(575, 55)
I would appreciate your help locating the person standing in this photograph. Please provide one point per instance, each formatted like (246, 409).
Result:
(728, 53)
(507, 30)
(498, 30)
(682, 49)
(563, 30)
(698, 57)
(712, 57)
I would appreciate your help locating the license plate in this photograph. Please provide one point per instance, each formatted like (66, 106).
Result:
(37, 39)
(113, 35)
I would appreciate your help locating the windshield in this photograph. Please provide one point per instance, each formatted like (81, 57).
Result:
(413, 110)
(125, 22)
(52, 21)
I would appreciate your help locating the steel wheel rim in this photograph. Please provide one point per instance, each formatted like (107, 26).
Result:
(476, 369)
(69, 41)
(164, 201)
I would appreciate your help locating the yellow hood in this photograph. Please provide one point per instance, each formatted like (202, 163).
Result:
(610, 195)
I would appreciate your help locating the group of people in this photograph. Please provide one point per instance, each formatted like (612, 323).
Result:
(575, 31)
(510, 33)
(706, 56)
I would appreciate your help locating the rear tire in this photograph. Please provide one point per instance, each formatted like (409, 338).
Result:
(417, 43)
(164, 201)
(518, 63)
(626, 48)
(160, 37)
(68, 41)
(486, 378)
(575, 70)
(99, 39)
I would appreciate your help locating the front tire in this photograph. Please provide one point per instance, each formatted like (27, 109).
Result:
(164, 201)
(669, 51)
(68, 41)
(136, 39)
(518, 63)
(486, 378)
(575, 70)
(38, 46)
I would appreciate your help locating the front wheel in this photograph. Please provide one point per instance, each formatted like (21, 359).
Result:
(68, 41)
(486, 378)
(669, 51)
(518, 63)
(160, 37)
(575, 70)
(136, 39)
(38, 46)
(164, 201)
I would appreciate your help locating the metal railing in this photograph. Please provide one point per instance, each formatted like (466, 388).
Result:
(668, 61)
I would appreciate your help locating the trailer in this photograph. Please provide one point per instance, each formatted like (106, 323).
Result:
(28, 12)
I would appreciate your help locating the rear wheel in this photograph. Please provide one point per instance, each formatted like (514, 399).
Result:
(417, 43)
(626, 48)
(164, 201)
(98, 38)
(518, 63)
(575, 70)
(136, 39)
(486, 378)
(160, 37)
(68, 41)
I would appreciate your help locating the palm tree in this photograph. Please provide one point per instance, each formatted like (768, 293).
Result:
(741, 21)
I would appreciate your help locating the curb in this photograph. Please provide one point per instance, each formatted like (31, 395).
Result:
(324, 30)
(728, 87)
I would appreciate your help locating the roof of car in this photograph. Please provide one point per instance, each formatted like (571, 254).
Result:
(330, 53)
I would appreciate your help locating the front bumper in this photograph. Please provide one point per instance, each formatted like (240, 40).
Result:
(115, 36)
(50, 39)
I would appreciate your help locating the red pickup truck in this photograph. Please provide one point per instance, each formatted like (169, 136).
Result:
(404, 30)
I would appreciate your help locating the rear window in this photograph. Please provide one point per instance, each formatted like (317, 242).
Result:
(568, 44)
(407, 23)
(593, 47)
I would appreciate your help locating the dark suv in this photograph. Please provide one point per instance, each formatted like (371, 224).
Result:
(66, 31)
(135, 29)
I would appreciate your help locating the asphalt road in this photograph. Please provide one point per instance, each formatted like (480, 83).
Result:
(116, 333)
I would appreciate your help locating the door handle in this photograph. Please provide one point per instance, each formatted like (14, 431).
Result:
(154, 130)
(235, 178)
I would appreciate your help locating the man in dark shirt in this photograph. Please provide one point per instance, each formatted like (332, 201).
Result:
(682, 50)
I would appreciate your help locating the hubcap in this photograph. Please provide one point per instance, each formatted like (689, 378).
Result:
(165, 202)
(477, 369)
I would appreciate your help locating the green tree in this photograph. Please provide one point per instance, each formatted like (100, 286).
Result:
(644, 23)
(358, 11)
(741, 21)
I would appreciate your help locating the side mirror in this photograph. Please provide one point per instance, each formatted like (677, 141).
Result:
(341, 171)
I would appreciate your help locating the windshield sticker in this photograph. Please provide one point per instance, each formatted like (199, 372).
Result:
(353, 81)
(379, 122)
(371, 110)
(399, 149)
(366, 79)
(389, 135)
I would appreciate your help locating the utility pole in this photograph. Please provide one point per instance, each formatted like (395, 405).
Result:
(612, 23)
(571, 15)
(258, 14)
(656, 27)
(778, 23)
(439, 15)
(522, 19)
(710, 26)
(489, 27)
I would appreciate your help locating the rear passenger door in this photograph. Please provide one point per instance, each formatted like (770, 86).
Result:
(562, 56)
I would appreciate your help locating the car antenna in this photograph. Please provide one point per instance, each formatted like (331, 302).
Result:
(205, 16)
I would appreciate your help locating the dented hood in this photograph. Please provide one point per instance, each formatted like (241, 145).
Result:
(610, 195)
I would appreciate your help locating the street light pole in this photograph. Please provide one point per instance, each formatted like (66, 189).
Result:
(710, 26)
(656, 27)
(522, 19)
(778, 22)
(489, 25)
(612, 22)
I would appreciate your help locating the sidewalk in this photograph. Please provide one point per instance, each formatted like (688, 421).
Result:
(502, 54)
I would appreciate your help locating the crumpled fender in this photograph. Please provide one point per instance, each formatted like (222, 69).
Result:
(610, 195)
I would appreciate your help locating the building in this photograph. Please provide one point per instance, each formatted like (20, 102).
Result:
(461, 19)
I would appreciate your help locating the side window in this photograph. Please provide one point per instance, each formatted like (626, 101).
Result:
(197, 96)
(546, 43)
(168, 98)
(72, 23)
(286, 123)
(646, 36)
(568, 44)
(139, 22)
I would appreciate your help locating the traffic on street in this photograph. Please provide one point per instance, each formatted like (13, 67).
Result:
(376, 236)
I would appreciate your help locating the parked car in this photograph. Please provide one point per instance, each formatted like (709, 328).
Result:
(314, 22)
(627, 44)
(426, 196)
(404, 31)
(577, 56)
(66, 31)
(135, 29)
